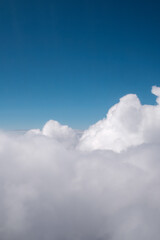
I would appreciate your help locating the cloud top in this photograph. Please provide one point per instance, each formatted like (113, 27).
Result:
(156, 92)
(102, 184)
(127, 124)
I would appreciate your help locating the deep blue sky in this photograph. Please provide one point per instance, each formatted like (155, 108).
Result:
(71, 60)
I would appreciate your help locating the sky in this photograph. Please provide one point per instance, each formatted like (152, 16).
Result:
(80, 79)
(63, 57)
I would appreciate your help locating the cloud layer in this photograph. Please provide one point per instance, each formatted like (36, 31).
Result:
(102, 184)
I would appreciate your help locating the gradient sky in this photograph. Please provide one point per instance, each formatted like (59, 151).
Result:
(72, 60)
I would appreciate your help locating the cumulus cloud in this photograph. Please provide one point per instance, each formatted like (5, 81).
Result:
(156, 91)
(127, 124)
(60, 133)
(103, 184)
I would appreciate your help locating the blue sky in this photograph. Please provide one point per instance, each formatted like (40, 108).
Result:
(72, 60)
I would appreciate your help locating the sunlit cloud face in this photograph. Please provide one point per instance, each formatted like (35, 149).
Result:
(103, 184)
(127, 124)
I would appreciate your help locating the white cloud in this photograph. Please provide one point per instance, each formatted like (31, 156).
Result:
(156, 91)
(53, 185)
(60, 133)
(127, 124)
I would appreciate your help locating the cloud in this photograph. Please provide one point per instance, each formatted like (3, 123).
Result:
(156, 91)
(127, 124)
(103, 184)
(60, 133)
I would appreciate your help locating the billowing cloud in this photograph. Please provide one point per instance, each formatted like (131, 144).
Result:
(103, 184)
(127, 124)
(60, 133)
